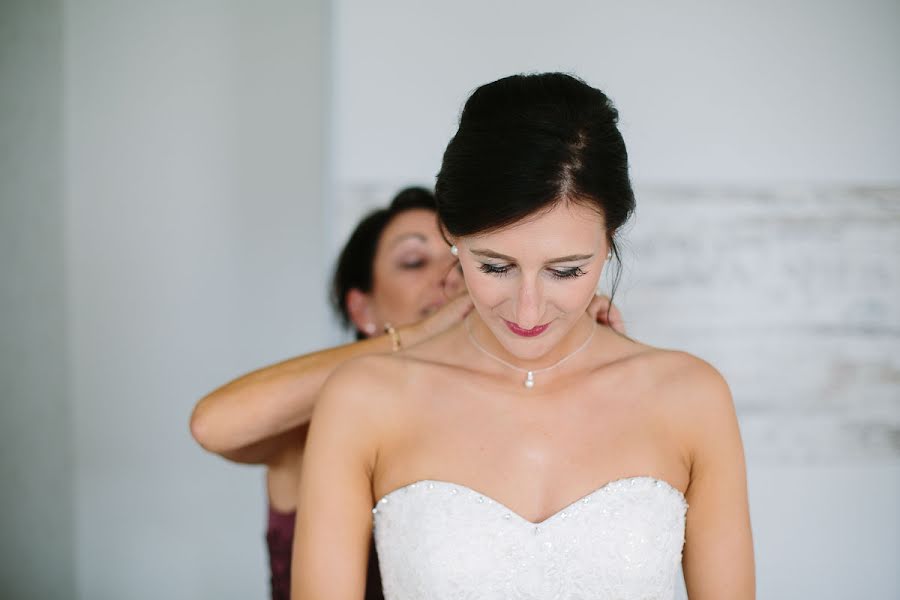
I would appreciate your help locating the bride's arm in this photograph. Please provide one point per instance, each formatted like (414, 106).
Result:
(718, 552)
(334, 505)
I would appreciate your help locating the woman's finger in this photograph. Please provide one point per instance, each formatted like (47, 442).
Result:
(606, 313)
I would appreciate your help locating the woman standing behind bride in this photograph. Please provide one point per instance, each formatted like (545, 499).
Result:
(527, 453)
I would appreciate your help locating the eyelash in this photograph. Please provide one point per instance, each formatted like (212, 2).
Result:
(501, 271)
(572, 273)
(494, 269)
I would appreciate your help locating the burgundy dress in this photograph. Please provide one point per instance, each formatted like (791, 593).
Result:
(280, 540)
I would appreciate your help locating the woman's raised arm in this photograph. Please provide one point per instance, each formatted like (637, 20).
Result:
(243, 420)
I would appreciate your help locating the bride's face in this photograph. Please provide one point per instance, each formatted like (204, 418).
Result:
(531, 282)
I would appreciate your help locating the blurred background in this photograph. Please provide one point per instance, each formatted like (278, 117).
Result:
(175, 179)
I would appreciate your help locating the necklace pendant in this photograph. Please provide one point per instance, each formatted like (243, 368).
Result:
(529, 380)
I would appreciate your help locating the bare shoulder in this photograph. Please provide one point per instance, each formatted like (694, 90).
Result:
(692, 401)
(690, 377)
(696, 402)
(356, 383)
(362, 394)
(363, 372)
(686, 386)
(679, 371)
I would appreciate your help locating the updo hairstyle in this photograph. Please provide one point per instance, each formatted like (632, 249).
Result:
(526, 143)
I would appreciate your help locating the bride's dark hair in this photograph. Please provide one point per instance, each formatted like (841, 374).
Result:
(528, 142)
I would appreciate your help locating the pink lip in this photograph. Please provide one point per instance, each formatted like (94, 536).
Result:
(526, 332)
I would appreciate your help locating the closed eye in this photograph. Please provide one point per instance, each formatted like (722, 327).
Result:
(499, 270)
(568, 273)
(412, 264)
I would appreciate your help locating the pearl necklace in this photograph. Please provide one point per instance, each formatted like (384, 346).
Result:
(530, 373)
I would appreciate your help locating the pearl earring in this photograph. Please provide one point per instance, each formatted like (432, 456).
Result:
(454, 250)
(369, 328)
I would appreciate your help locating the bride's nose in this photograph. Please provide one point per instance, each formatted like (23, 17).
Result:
(529, 303)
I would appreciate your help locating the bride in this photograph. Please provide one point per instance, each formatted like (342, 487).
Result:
(527, 453)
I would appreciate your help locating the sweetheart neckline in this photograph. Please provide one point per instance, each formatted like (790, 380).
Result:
(661, 483)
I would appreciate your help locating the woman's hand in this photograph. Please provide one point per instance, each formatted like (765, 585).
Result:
(605, 312)
(438, 322)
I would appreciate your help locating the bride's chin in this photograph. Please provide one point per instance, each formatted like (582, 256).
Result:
(526, 349)
(534, 348)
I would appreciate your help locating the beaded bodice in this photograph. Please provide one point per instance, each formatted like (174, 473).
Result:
(443, 541)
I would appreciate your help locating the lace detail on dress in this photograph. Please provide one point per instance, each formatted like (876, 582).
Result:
(444, 541)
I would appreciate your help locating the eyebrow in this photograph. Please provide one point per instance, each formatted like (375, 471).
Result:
(407, 236)
(492, 254)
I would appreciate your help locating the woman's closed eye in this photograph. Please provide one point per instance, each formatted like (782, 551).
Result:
(412, 264)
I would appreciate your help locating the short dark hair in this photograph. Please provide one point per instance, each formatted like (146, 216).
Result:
(354, 267)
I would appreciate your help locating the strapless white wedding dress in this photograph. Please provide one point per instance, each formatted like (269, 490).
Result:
(443, 541)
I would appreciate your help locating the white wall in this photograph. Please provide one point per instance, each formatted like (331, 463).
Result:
(722, 103)
(36, 519)
(727, 91)
(192, 235)
(162, 230)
